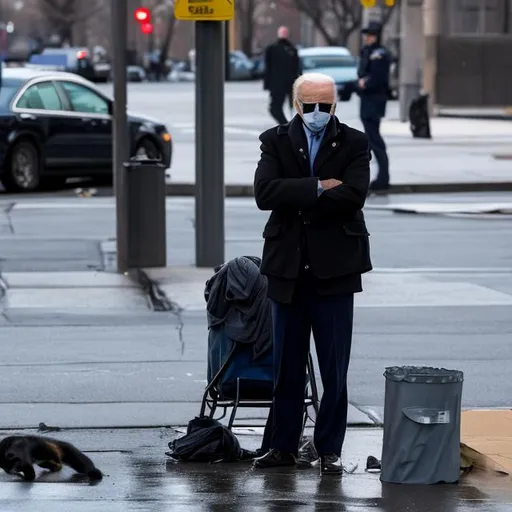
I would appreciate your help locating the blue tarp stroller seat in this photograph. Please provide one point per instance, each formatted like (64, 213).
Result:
(252, 374)
(240, 358)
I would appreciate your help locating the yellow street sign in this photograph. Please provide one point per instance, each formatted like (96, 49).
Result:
(204, 10)
(367, 4)
(389, 3)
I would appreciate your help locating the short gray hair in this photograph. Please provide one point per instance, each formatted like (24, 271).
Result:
(312, 78)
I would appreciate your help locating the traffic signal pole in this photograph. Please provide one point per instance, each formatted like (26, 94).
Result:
(121, 145)
(210, 72)
(209, 17)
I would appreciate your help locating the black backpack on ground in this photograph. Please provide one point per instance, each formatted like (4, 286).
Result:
(207, 440)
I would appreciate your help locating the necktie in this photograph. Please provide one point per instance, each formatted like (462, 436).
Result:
(315, 137)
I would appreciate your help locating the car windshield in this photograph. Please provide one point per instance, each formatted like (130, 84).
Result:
(328, 61)
(50, 59)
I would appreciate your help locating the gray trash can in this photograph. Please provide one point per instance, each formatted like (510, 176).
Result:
(422, 412)
(147, 236)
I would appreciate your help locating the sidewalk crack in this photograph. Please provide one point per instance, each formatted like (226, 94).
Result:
(7, 212)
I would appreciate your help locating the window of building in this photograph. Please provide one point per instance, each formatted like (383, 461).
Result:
(480, 17)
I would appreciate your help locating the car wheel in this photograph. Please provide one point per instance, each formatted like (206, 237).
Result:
(147, 150)
(23, 169)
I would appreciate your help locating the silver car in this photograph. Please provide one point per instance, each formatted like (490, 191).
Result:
(335, 61)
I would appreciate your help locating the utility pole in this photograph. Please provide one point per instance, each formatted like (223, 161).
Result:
(210, 74)
(209, 219)
(411, 54)
(120, 129)
(431, 20)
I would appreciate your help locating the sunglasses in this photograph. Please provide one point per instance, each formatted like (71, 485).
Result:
(307, 108)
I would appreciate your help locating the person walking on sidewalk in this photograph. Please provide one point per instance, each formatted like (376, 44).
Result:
(373, 88)
(282, 67)
(313, 175)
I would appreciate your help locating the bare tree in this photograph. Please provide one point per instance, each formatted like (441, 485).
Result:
(165, 10)
(62, 15)
(250, 15)
(336, 20)
(246, 18)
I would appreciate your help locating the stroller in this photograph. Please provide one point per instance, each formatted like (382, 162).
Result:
(240, 352)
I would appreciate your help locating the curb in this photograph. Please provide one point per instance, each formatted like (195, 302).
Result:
(240, 191)
(157, 298)
(484, 117)
(188, 189)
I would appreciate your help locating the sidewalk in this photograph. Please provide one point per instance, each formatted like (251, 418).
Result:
(463, 155)
(139, 476)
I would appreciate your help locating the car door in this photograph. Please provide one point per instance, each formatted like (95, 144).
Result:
(92, 111)
(41, 110)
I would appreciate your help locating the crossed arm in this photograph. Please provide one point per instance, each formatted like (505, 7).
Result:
(273, 192)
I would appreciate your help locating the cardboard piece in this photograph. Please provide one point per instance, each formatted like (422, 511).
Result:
(486, 439)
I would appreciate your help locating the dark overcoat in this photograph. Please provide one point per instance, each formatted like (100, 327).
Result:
(324, 234)
(282, 67)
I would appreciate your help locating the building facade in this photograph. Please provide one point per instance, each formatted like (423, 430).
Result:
(473, 52)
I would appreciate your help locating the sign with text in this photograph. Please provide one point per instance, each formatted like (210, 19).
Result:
(204, 10)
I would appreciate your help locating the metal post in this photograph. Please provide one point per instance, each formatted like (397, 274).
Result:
(209, 221)
(411, 54)
(121, 146)
(431, 28)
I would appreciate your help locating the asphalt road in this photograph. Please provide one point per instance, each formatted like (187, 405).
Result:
(68, 351)
(461, 151)
(78, 360)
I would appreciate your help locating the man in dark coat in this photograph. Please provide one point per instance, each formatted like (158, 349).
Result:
(313, 175)
(373, 88)
(282, 67)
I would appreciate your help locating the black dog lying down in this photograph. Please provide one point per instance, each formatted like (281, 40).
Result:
(18, 454)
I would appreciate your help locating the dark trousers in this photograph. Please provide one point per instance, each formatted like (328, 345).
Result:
(277, 99)
(378, 146)
(330, 318)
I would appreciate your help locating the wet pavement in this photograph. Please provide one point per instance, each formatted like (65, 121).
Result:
(84, 350)
(140, 477)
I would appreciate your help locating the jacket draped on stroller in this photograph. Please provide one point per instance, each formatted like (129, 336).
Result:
(239, 330)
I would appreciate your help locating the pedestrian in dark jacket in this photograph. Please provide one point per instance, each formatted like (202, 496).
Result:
(313, 175)
(373, 88)
(282, 67)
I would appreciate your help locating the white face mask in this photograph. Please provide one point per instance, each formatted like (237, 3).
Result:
(316, 121)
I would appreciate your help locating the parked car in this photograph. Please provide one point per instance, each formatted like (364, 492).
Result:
(258, 67)
(335, 61)
(56, 125)
(135, 74)
(241, 67)
(72, 60)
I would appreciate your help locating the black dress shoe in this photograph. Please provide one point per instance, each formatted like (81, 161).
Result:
(330, 465)
(275, 459)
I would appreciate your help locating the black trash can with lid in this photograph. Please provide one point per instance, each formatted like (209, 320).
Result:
(422, 411)
(145, 188)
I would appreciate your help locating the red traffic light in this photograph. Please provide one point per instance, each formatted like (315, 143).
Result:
(142, 15)
(146, 28)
